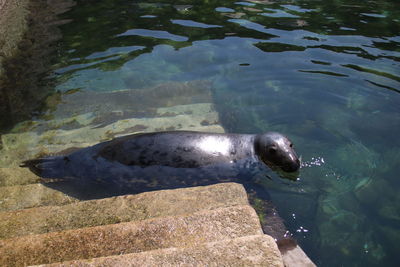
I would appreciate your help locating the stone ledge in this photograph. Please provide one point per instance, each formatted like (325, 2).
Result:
(28, 30)
(132, 237)
(17, 176)
(29, 196)
(12, 25)
(120, 209)
(24, 145)
(256, 250)
(294, 256)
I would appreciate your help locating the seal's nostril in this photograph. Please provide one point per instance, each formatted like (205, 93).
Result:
(292, 166)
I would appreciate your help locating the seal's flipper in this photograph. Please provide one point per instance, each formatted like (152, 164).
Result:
(50, 167)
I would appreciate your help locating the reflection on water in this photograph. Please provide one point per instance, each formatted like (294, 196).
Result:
(326, 73)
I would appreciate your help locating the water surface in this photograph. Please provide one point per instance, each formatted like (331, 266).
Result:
(324, 72)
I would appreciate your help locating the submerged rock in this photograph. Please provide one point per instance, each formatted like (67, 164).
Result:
(370, 190)
(389, 209)
(356, 158)
(391, 236)
(341, 235)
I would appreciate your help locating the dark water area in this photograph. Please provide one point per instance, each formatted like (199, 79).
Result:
(326, 73)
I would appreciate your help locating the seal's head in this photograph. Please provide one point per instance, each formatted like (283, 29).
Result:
(276, 150)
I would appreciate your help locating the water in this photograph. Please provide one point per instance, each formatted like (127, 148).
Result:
(324, 72)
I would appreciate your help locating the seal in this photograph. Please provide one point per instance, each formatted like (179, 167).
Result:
(166, 160)
(170, 159)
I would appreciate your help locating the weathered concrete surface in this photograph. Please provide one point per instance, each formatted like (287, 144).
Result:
(295, 257)
(133, 102)
(120, 209)
(256, 250)
(14, 15)
(17, 147)
(17, 176)
(12, 25)
(28, 30)
(29, 196)
(63, 139)
(131, 237)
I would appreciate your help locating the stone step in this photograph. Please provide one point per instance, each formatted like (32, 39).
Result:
(30, 144)
(178, 117)
(131, 237)
(296, 257)
(120, 209)
(255, 250)
(31, 195)
(17, 176)
(142, 101)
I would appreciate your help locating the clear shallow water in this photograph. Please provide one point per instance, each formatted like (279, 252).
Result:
(326, 73)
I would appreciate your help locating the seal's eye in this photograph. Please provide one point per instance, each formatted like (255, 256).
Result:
(291, 145)
(272, 150)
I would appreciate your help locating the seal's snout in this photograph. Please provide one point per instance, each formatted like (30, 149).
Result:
(291, 166)
(276, 150)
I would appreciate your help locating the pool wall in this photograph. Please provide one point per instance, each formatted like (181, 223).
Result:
(13, 22)
(28, 35)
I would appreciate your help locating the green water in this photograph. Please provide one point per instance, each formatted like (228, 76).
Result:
(324, 72)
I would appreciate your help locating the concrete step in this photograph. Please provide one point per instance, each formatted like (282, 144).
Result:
(17, 176)
(83, 118)
(255, 250)
(296, 257)
(187, 117)
(17, 147)
(139, 101)
(120, 209)
(131, 237)
(31, 195)
(293, 255)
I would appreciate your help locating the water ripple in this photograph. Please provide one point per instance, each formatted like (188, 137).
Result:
(154, 34)
(191, 23)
